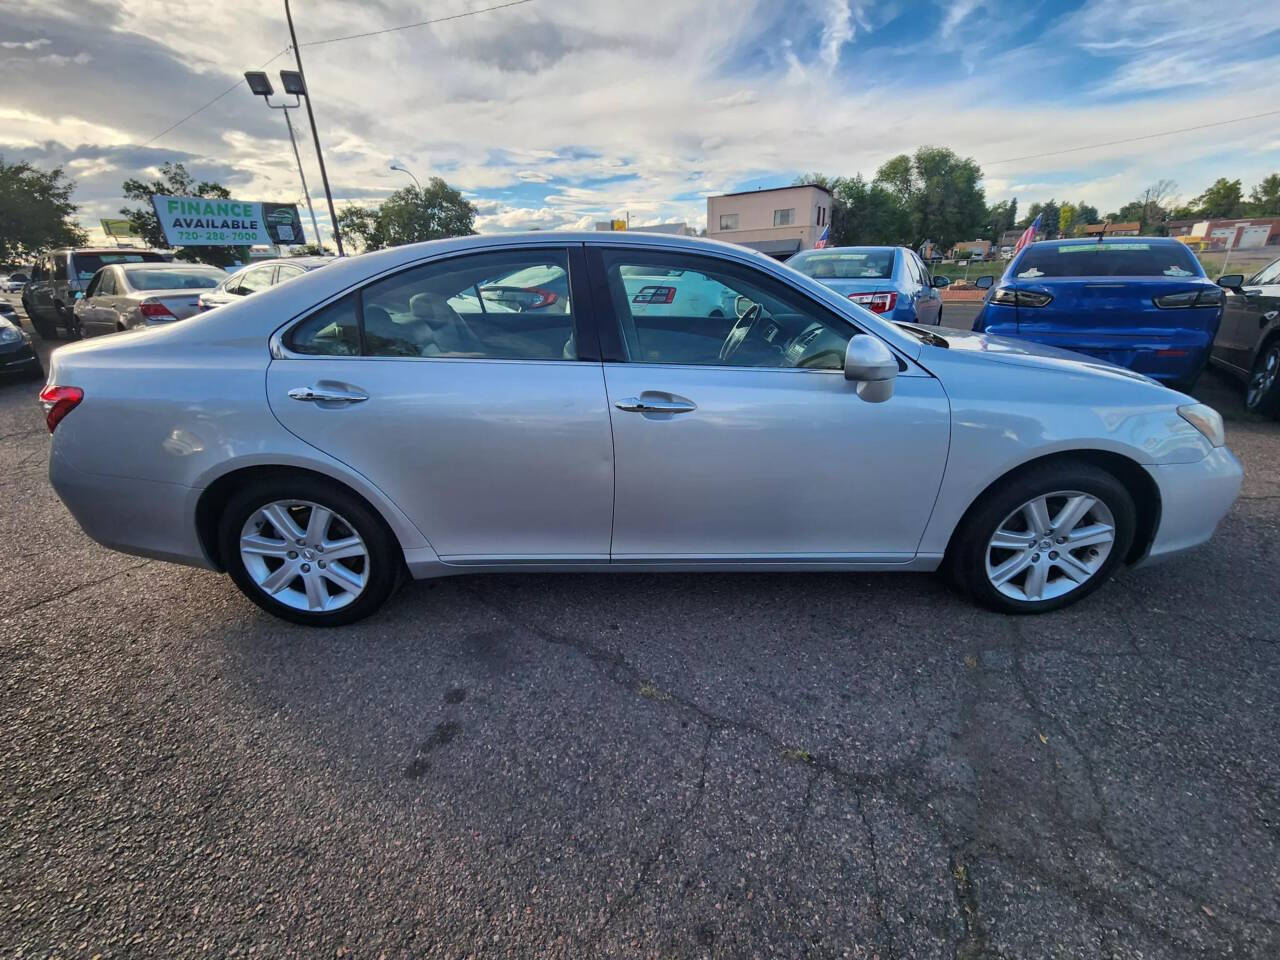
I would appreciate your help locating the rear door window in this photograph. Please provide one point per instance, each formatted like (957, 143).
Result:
(106, 283)
(1092, 259)
(259, 278)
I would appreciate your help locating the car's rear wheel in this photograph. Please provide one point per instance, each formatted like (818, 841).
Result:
(1262, 394)
(1045, 539)
(308, 551)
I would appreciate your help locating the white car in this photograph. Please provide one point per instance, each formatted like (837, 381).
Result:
(677, 293)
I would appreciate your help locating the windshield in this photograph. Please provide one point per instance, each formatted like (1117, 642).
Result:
(87, 264)
(170, 278)
(845, 264)
(1092, 259)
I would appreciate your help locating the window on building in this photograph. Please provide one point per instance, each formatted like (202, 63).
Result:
(822, 215)
(784, 218)
(728, 221)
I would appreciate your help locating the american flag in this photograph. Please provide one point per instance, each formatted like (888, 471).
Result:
(1028, 235)
(823, 240)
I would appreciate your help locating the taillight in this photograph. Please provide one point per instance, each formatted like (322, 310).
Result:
(58, 402)
(545, 298)
(1022, 298)
(155, 312)
(881, 301)
(655, 294)
(1208, 297)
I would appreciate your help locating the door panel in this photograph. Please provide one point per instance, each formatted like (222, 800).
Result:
(1238, 331)
(772, 461)
(489, 458)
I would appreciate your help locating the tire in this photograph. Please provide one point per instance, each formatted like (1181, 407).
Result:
(1040, 581)
(311, 598)
(1262, 392)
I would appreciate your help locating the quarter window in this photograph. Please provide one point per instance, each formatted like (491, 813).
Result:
(784, 218)
(728, 221)
(258, 278)
(332, 331)
(106, 283)
(674, 308)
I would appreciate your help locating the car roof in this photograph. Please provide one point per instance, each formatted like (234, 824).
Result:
(1108, 240)
(858, 248)
(165, 265)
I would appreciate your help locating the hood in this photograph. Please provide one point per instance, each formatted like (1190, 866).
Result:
(1023, 353)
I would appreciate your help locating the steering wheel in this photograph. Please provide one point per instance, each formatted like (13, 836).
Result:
(740, 332)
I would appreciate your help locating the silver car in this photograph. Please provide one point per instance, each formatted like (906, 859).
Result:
(256, 277)
(377, 417)
(128, 295)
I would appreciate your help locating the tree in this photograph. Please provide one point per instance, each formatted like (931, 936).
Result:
(310, 250)
(949, 201)
(1223, 199)
(1154, 202)
(1264, 199)
(1066, 219)
(410, 215)
(1086, 214)
(175, 181)
(35, 211)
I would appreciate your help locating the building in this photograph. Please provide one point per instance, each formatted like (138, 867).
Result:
(1130, 228)
(677, 228)
(980, 249)
(779, 221)
(1238, 234)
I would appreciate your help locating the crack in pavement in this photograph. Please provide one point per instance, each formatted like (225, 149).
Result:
(70, 590)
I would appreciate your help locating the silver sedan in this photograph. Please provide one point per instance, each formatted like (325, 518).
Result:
(125, 296)
(382, 417)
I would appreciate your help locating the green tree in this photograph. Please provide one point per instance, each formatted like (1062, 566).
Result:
(410, 215)
(310, 250)
(949, 202)
(1223, 199)
(1067, 219)
(1264, 199)
(175, 181)
(1085, 214)
(35, 212)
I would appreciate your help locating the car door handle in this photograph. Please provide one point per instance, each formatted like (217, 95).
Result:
(1268, 317)
(637, 405)
(327, 395)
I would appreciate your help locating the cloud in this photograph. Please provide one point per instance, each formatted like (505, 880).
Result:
(24, 44)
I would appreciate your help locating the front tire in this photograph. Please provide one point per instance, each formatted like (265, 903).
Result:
(1044, 539)
(308, 550)
(1262, 394)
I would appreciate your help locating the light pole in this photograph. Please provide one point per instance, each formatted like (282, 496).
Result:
(260, 84)
(404, 169)
(297, 85)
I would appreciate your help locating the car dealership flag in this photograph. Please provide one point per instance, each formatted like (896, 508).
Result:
(823, 240)
(1029, 234)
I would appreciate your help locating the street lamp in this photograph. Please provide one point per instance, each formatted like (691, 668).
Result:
(299, 83)
(403, 169)
(260, 85)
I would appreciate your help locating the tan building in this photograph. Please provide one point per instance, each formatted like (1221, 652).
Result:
(779, 222)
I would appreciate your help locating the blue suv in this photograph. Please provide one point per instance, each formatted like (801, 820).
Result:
(1138, 302)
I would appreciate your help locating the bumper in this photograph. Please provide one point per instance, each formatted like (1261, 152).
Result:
(21, 360)
(1194, 497)
(142, 517)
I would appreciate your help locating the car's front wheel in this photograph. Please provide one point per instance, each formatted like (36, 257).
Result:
(1262, 395)
(308, 550)
(1045, 539)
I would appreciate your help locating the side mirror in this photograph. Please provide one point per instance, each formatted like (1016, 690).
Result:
(984, 282)
(872, 366)
(940, 281)
(742, 304)
(1231, 281)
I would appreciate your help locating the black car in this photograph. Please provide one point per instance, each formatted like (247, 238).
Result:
(1248, 340)
(17, 358)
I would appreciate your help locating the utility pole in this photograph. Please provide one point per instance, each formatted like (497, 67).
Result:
(315, 133)
(303, 177)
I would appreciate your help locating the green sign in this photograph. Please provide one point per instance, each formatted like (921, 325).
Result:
(119, 228)
(202, 221)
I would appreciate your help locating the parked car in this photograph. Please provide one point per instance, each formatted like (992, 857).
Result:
(256, 277)
(16, 354)
(1248, 340)
(891, 281)
(14, 282)
(59, 279)
(1139, 302)
(320, 438)
(129, 295)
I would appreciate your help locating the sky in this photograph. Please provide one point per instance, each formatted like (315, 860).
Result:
(557, 113)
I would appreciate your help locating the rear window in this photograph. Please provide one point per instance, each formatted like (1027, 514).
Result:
(87, 264)
(1093, 259)
(197, 278)
(868, 265)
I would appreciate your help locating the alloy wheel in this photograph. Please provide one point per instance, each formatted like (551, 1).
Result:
(305, 555)
(1050, 546)
(1263, 377)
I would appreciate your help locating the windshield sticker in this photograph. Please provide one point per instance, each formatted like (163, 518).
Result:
(1176, 271)
(1102, 247)
(1033, 272)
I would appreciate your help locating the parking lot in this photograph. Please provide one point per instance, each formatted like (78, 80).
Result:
(659, 765)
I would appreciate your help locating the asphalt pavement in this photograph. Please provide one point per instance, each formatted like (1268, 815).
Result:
(802, 765)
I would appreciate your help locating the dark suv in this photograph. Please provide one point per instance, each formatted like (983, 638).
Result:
(60, 277)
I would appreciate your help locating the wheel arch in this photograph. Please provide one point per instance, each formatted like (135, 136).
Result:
(1140, 484)
(213, 500)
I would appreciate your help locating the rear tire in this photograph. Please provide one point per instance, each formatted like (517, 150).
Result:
(300, 570)
(1262, 392)
(1013, 551)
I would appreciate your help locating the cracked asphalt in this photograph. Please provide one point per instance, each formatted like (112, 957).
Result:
(637, 766)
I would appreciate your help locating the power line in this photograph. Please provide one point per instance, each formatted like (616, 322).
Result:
(1149, 136)
(316, 43)
(410, 26)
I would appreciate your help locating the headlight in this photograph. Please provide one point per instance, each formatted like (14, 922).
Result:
(1205, 419)
(9, 333)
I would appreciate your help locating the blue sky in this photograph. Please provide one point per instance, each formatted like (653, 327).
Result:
(556, 113)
